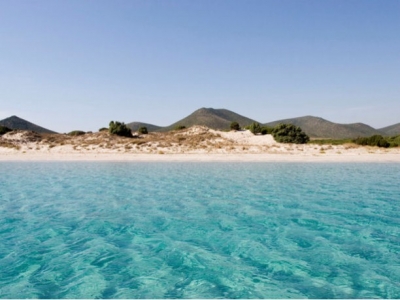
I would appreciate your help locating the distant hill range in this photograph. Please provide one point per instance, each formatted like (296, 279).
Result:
(212, 118)
(134, 126)
(221, 119)
(315, 127)
(15, 122)
(391, 130)
(320, 128)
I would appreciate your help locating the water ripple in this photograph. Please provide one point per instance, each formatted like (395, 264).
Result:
(199, 230)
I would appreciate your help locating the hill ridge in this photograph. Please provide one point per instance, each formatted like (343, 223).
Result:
(315, 127)
(391, 130)
(318, 127)
(17, 123)
(214, 118)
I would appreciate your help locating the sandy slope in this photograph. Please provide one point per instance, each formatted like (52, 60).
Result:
(193, 144)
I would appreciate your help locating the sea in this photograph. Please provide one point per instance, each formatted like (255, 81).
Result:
(199, 230)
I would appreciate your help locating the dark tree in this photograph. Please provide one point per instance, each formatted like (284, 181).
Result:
(119, 128)
(266, 130)
(235, 126)
(255, 127)
(179, 127)
(143, 130)
(288, 133)
(4, 129)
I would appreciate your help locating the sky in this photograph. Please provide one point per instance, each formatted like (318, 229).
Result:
(78, 64)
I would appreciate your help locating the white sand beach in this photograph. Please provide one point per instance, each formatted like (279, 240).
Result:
(194, 144)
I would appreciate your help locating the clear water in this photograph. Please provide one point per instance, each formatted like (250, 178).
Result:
(199, 230)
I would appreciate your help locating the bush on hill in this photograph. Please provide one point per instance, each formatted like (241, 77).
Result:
(266, 130)
(76, 133)
(143, 130)
(394, 141)
(254, 127)
(375, 140)
(103, 129)
(119, 128)
(235, 126)
(288, 133)
(4, 129)
(179, 127)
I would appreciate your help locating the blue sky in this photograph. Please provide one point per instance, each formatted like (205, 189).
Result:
(77, 64)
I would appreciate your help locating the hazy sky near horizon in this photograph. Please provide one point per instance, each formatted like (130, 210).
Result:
(75, 64)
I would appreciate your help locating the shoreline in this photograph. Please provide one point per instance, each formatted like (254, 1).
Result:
(196, 157)
(195, 144)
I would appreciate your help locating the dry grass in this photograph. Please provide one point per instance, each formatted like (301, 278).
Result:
(7, 144)
(192, 140)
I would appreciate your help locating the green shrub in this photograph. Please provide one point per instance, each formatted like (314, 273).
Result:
(375, 140)
(103, 129)
(143, 130)
(4, 129)
(288, 133)
(120, 129)
(235, 126)
(254, 128)
(394, 141)
(179, 127)
(76, 133)
(266, 130)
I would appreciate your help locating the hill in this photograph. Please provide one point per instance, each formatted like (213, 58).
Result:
(134, 126)
(15, 122)
(320, 128)
(391, 130)
(220, 119)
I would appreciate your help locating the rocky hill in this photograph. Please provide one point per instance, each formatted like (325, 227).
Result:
(391, 130)
(317, 127)
(134, 126)
(220, 119)
(15, 122)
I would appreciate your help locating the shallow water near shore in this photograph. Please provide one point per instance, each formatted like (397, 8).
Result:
(199, 230)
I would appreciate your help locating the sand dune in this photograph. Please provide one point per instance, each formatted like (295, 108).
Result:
(194, 144)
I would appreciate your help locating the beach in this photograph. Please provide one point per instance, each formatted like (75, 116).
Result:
(197, 143)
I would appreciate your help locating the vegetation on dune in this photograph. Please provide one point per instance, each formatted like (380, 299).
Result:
(103, 129)
(143, 130)
(394, 141)
(4, 129)
(254, 127)
(288, 133)
(331, 141)
(378, 140)
(76, 133)
(266, 130)
(179, 127)
(119, 128)
(235, 126)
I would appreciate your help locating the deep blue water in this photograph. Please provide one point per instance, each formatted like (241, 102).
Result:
(199, 230)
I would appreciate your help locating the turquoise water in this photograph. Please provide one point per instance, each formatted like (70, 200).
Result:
(199, 230)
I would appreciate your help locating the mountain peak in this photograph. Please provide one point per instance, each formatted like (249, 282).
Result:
(17, 123)
(213, 118)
